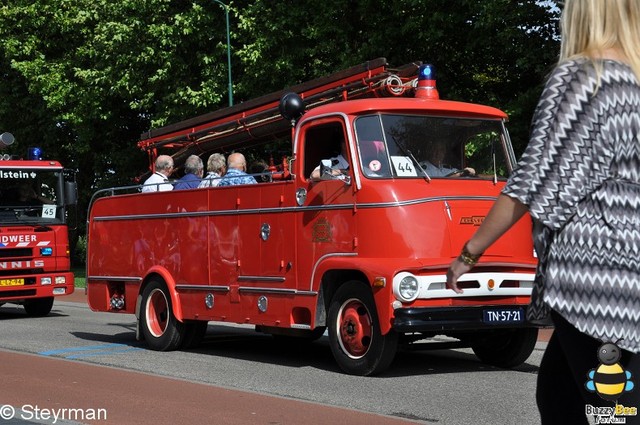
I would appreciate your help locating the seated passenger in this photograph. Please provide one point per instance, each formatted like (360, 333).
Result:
(159, 180)
(27, 196)
(438, 166)
(236, 171)
(193, 168)
(216, 168)
(446, 170)
(262, 168)
(339, 165)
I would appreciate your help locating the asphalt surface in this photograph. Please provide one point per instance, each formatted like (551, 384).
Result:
(49, 390)
(115, 396)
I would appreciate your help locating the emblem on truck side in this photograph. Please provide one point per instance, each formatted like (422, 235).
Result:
(321, 231)
(475, 220)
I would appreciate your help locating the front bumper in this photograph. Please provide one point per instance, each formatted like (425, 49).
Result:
(427, 319)
(34, 288)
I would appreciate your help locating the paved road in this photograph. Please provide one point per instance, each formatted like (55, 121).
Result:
(83, 362)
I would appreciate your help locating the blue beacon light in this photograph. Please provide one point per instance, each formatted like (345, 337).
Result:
(426, 72)
(34, 154)
(426, 87)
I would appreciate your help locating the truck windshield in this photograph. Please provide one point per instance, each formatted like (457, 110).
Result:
(31, 196)
(412, 146)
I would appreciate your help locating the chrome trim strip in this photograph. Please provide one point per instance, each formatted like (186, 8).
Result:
(126, 279)
(258, 290)
(214, 288)
(324, 257)
(279, 210)
(276, 279)
(300, 326)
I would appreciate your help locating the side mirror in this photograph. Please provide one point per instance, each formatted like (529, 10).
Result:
(325, 170)
(70, 193)
(326, 173)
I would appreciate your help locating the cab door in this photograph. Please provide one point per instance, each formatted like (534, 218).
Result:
(326, 223)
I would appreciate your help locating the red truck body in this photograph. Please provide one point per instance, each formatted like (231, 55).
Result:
(363, 255)
(34, 243)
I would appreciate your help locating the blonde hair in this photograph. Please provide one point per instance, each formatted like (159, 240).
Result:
(589, 27)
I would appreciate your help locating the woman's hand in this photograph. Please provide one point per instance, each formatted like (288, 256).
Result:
(505, 213)
(456, 269)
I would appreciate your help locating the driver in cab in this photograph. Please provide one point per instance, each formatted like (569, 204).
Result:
(337, 166)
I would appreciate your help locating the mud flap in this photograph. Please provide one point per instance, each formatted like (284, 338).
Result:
(139, 336)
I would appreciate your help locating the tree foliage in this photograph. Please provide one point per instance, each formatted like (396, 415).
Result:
(85, 78)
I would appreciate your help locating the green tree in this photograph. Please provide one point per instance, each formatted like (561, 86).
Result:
(85, 78)
(494, 52)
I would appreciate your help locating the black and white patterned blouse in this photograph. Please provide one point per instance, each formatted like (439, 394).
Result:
(580, 177)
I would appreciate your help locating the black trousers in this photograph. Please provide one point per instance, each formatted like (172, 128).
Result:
(561, 394)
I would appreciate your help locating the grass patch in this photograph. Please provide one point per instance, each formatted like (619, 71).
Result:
(80, 276)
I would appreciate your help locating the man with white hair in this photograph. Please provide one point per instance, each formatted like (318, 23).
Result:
(216, 167)
(193, 169)
(159, 180)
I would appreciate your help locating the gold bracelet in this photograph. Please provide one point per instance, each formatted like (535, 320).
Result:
(467, 257)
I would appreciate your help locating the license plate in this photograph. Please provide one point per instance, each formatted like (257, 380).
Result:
(11, 282)
(504, 315)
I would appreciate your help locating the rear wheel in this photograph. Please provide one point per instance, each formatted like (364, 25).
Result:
(161, 329)
(506, 348)
(354, 334)
(38, 307)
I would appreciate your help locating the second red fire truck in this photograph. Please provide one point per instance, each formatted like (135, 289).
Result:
(361, 254)
(35, 195)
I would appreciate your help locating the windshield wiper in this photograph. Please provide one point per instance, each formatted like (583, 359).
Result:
(408, 153)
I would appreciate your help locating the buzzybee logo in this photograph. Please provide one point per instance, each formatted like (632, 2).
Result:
(609, 380)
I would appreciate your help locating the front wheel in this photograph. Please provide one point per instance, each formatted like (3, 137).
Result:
(506, 348)
(38, 307)
(354, 332)
(161, 329)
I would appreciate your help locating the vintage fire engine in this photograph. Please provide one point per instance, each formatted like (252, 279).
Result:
(34, 241)
(360, 253)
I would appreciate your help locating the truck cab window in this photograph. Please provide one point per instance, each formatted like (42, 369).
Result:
(441, 147)
(325, 142)
(24, 197)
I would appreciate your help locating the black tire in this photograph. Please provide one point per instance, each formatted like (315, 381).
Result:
(38, 307)
(194, 333)
(354, 332)
(506, 348)
(160, 328)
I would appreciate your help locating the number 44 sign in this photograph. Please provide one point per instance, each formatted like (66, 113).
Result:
(403, 166)
(48, 211)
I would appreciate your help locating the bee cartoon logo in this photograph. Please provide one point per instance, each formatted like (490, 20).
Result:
(609, 380)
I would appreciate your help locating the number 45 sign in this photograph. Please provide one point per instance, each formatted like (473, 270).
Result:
(48, 211)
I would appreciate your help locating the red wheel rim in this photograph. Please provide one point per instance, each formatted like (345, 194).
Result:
(157, 313)
(354, 328)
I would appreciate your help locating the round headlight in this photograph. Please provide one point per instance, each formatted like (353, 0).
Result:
(408, 288)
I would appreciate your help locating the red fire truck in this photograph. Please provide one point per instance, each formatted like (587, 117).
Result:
(34, 242)
(361, 253)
